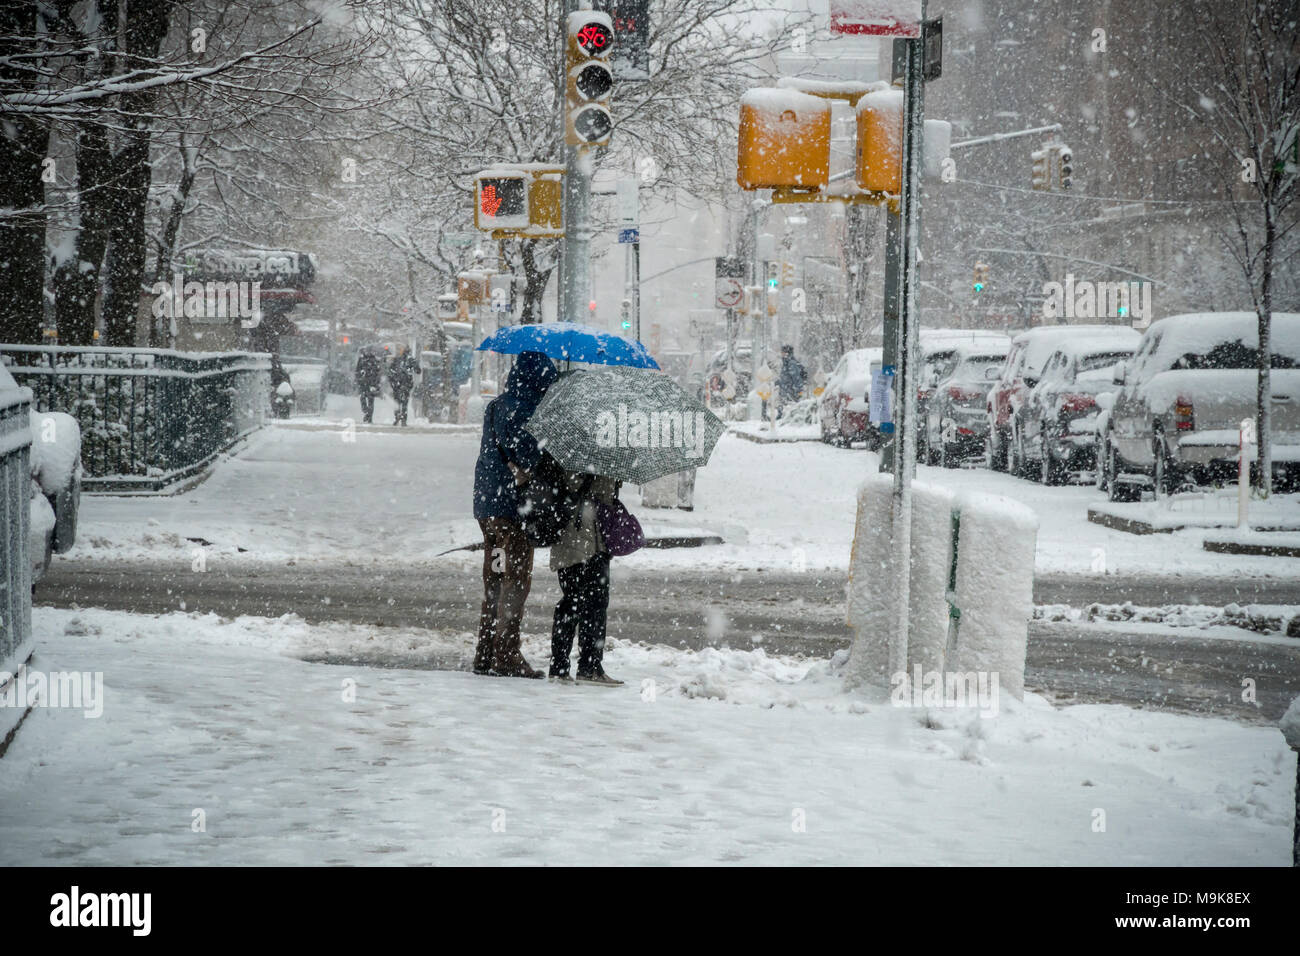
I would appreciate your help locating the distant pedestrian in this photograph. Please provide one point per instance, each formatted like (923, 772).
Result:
(507, 454)
(581, 559)
(401, 378)
(369, 376)
(790, 382)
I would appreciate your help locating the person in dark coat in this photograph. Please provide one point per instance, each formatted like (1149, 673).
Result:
(790, 382)
(401, 378)
(370, 375)
(507, 453)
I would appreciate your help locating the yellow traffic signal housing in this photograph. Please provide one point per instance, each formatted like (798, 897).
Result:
(525, 200)
(546, 205)
(879, 166)
(589, 82)
(1041, 174)
(471, 288)
(787, 274)
(785, 140)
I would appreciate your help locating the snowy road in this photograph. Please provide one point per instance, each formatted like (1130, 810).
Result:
(788, 614)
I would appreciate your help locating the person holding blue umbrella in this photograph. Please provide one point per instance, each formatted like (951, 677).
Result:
(507, 453)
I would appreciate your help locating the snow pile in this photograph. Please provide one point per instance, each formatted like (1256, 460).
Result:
(870, 589)
(1290, 725)
(56, 450)
(703, 757)
(995, 588)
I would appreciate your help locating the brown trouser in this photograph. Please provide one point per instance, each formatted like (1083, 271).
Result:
(507, 578)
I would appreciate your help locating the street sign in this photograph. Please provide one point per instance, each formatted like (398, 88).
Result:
(629, 235)
(629, 212)
(881, 18)
(730, 293)
(459, 239)
(932, 49)
(733, 267)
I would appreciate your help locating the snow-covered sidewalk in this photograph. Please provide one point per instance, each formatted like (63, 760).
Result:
(710, 757)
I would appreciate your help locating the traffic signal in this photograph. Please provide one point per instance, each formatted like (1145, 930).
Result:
(981, 278)
(1064, 166)
(500, 200)
(773, 276)
(784, 140)
(787, 274)
(1041, 178)
(879, 166)
(589, 80)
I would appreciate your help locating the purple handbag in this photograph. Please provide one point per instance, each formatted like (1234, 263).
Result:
(619, 528)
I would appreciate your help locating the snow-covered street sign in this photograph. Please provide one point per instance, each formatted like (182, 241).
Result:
(881, 18)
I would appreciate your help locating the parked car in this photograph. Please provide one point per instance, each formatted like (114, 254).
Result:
(1029, 352)
(55, 487)
(938, 346)
(842, 410)
(955, 423)
(1056, 427)
(1182, 398)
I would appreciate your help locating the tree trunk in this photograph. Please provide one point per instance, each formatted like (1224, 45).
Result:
(147, 22)
(76, 280)
(167, 245)
(22, 235)
(1264, 392)
(535, 281)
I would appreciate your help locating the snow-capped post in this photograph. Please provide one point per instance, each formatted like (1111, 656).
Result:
(1290, 727)
(1246, 441)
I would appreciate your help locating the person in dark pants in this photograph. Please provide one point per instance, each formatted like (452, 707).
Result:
(369, 374)
(582, 562)
(791, 381)
(401, 378)
(506, 455)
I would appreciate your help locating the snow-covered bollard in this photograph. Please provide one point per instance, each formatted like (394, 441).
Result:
(994, 589)
(1290, 727)
(870, 588)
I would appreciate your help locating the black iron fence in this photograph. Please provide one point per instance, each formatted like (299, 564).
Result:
(15, 561)
(149, 417)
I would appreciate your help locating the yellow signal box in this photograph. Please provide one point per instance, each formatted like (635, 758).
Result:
(785, 140)
(879, 165)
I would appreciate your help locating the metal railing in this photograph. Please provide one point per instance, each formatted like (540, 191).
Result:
(15, 561)
(149, 417)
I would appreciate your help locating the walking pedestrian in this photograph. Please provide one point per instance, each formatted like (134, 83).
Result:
(369, 378)
(401, 378)
(581, 559)
(791, 381)
(507, 453)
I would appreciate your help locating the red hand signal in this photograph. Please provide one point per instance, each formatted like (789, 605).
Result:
(491, 202)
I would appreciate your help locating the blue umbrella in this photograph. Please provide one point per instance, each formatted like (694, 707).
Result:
(570, 342)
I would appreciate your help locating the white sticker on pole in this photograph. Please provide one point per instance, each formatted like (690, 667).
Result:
(1248, 432)
(880, 396)
(880, 18)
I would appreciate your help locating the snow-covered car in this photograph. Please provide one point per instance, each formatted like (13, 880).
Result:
(938, 347)
(1057, 425)
(715, 377)
(955, 423)
(1030, 351)
(1182, 398)
(843, 411)
(55, 487)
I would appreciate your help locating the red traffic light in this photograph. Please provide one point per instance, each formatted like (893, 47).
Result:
(594, 38)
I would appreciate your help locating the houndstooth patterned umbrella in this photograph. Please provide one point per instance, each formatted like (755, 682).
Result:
(633, 424)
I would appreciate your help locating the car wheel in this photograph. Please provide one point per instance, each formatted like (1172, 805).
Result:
(995, 453)
(1117, 490)
(1050, 472)
(1016, 455)
(1166, 478)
